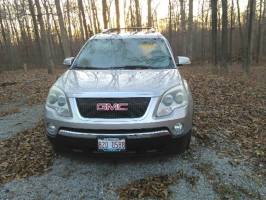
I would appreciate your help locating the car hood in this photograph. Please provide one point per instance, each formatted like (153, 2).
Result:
(109, 83)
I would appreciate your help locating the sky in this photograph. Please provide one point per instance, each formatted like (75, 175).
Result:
(162, 7)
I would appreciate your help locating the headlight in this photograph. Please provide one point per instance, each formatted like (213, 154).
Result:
(168, 100)
(172, 99)
(57, 100)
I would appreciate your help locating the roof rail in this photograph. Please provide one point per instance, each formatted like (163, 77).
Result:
(135, 29)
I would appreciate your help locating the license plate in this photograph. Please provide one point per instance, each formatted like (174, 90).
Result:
(111, 144)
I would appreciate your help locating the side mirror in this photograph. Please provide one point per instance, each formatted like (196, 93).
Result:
(68, 61)
(182, 60)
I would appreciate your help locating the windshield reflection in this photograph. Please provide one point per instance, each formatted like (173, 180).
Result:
(129, 53)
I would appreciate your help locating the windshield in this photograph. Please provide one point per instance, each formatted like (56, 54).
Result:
(129, 53)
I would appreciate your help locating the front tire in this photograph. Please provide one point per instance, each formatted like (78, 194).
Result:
(179, 145)
(56, 147)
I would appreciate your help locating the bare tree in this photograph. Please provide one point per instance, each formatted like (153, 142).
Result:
(250, 23)
(6, 37)
(263, 49)
(149, 13)
(202, 32)
(69, 26)
(190, 30)
(241, 34)
(35, 27)
(232, 21)
(83, 17)
(19, 12)
(137, 13)
(45, 44)
(170, 20)
(105, 14)
(183, 26)
(48, 27)
(63, 32)
(3, 31)
(117, 11)
(55, 25)
(224, 43)
(214, 31)
(259, 34)
(95, 17)
(131, 18)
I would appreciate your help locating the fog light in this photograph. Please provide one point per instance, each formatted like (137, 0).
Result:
(51, 129)
(178, 128)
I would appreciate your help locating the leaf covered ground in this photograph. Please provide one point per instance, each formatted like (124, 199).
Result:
(155, 186)
(228, 108)
(231, 108)
(229, 116)
(30, 87)
(26, 154)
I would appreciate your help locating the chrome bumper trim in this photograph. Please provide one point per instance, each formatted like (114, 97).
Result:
(76, 134)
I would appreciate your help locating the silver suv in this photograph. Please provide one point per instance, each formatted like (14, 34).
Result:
(122, 93)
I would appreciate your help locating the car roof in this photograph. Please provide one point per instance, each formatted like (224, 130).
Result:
(127, 35)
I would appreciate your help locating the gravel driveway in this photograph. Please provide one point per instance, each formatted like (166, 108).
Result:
(206, 173)
(21, 121)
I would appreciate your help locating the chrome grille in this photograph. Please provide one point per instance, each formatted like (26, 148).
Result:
(137, 107)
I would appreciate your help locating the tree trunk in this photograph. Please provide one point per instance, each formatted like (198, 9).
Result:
(56, 30)
(49, 35)
(190, 30)
(132, 16)
(7, 43)
(259, 38)
(149, 14)
(214, 32)
(202, 32)
(104, 14)
(35, 28)
(95, 17)
(24, 52)
(232, 20)
(224, 43)
(263, 47)
(69, 27)
(63, 32)
(241, 34)
(45, 44)
(89, 11)
(117, 11)
(251, 16)
(183, 26)
(170, 21)
(81, 9)
(137, 13)
(81, 26)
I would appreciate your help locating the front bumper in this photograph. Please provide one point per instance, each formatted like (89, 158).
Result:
(145, 133)
(133, 145)
(79, 127)
(128, 134)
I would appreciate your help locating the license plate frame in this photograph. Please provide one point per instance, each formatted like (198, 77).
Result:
(111, 144)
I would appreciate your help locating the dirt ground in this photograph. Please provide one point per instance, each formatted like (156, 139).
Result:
(226, 160)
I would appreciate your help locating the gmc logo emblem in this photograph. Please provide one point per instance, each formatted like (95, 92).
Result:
(112, 107)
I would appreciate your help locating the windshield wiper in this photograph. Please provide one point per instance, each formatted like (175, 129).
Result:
(134, 67)
(114, 68)
(84, 68)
